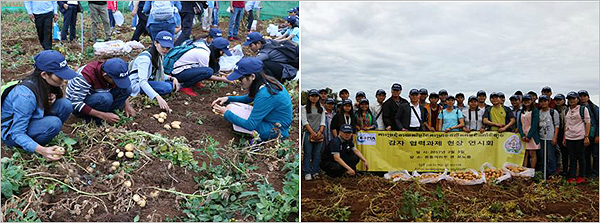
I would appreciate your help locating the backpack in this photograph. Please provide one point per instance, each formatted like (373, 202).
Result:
(289, 50)
(174, 54)
(582, 115)
(5, 89)
(162, 10)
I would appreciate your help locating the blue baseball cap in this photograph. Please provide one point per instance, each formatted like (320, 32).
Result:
(214, 33)
(443, 91)
(347, 102)
(246, 66)
(546, 89)
(500, 94)
(361, 93)
(559, 97)
(584, 92)
(329, 101)
(165, 39)
(52, 61)
(222, 44)
(252, 38)
(514, 97)
(527, 97)
(292, 10)
(346, 128)
(481, 92)
(380, 91)
(396, 87)
(312, 92)
(413, 91)
(472, 98)
(116, 68)
(364, 100)
(544, 98)
(423, 91)
(572, 94)
(291, 19)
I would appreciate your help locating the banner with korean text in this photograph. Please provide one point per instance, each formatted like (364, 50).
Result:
(436, 151)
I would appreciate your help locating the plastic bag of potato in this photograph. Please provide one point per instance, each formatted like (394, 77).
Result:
(489, 171)
(467, 177)
(518, 171)
(398, 175)
(427, 178)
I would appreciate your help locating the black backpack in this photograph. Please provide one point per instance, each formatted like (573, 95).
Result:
(290, 50)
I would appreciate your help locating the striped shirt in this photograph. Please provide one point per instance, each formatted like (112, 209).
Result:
(88, 80)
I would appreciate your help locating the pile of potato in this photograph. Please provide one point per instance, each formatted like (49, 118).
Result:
(464, 175)
(139, 200)
(174, 124)
(495, 173)
(430, 175)
(160, 117)
(128, 151)
(234, 93)
(516, 169)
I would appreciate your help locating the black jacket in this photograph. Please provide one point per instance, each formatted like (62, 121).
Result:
(405, 112)
(63, 10)
(338, 121)
(389, 109)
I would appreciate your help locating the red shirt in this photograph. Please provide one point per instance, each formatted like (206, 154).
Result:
(92, 72)
(238, 4)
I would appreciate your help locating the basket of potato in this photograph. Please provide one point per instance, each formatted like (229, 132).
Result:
(430, 177)
(398, 175)
(517, 170)
(492, 173)
(466, 177)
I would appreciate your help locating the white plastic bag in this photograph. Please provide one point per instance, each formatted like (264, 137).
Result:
(440, 177)
(227, 63)
(479, 179)
(273, 30)
(398, 175)
(119, 19)
(529, 172)
(135, 45)
(115, 47)
(505, 174)
(253, 26)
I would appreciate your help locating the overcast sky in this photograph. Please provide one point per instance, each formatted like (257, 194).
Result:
(458, 46)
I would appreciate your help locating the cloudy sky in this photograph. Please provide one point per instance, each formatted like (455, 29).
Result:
(458, 46)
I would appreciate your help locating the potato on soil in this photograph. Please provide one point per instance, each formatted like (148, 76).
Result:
(167, 126)
(129, 147)
(129, 154)
(120, 154)
(136, 198)
(127, 183)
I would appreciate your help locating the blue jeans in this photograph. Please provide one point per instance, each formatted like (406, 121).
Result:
(43, 130)
(155, 28)
(551, 168)
(215, 16)
(69, 23)
(134, 22)
(191, 76)
(106, 101)
(161, 87)
(111, 19)
(234, 21)
(312, 155)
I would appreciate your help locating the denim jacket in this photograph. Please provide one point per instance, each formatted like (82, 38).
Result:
(19, 107)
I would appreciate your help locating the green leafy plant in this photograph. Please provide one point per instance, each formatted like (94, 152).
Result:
(12, 177)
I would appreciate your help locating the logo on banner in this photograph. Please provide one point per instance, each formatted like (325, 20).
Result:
(366, 138)
(513, 145)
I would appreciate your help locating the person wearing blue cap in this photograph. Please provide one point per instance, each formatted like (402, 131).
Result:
(252, 7)
(329, 114)
(292, 33)
(481, 97)
(433, 109)
(191, 64)
(213, 33)
(563, 164)
(473, 116)
(549, 123)
(147, 75)
(365, 120)
(359, 96)
(460, 98)
(323, 96)
(451, 119)
(235, 16)
(591, 151)
(529, 130)
(272, 104)
(443, 93)
(162, 16)
(100, 88)
(345, 115)
(548, 92)
(341, 156)
(577, 129)
(515, 107)
(283, 66)
(498, 117)
(376, 108)
(390, 108)
(412, 116)
(313, 122)
(423, 99)
(34, 110)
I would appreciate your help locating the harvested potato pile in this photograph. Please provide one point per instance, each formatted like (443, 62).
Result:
(160, 117)
(430, 175)
(516, 169)
(464, 175)
(495, 173)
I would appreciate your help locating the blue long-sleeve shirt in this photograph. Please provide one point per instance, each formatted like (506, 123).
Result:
(268, 109)
(176, 17)
(40, 7)
(21, 105)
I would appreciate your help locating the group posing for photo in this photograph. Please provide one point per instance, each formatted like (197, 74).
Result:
(563, 127)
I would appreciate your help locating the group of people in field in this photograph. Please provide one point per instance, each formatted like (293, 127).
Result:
(35, 108)
(565, 127)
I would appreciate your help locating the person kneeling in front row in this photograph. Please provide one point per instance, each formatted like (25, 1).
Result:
(341, 156)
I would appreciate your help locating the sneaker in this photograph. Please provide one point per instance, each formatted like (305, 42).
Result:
(230, 38)
(571, 180)
(315, 175)
(188, 91)
(307, 177)
(580, 180)
(199, 85)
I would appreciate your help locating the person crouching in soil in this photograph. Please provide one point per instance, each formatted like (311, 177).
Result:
(341, 156)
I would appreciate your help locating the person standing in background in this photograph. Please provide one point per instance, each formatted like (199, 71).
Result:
(215, 13)
(111, 6)
(252, 7)
(236, 13)
(188, 10)
(424, 94)
(69, 9)
(140, 27)
(42, 13)
(528, 129)
(99, 11)
(376, 109)
(549, 123)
